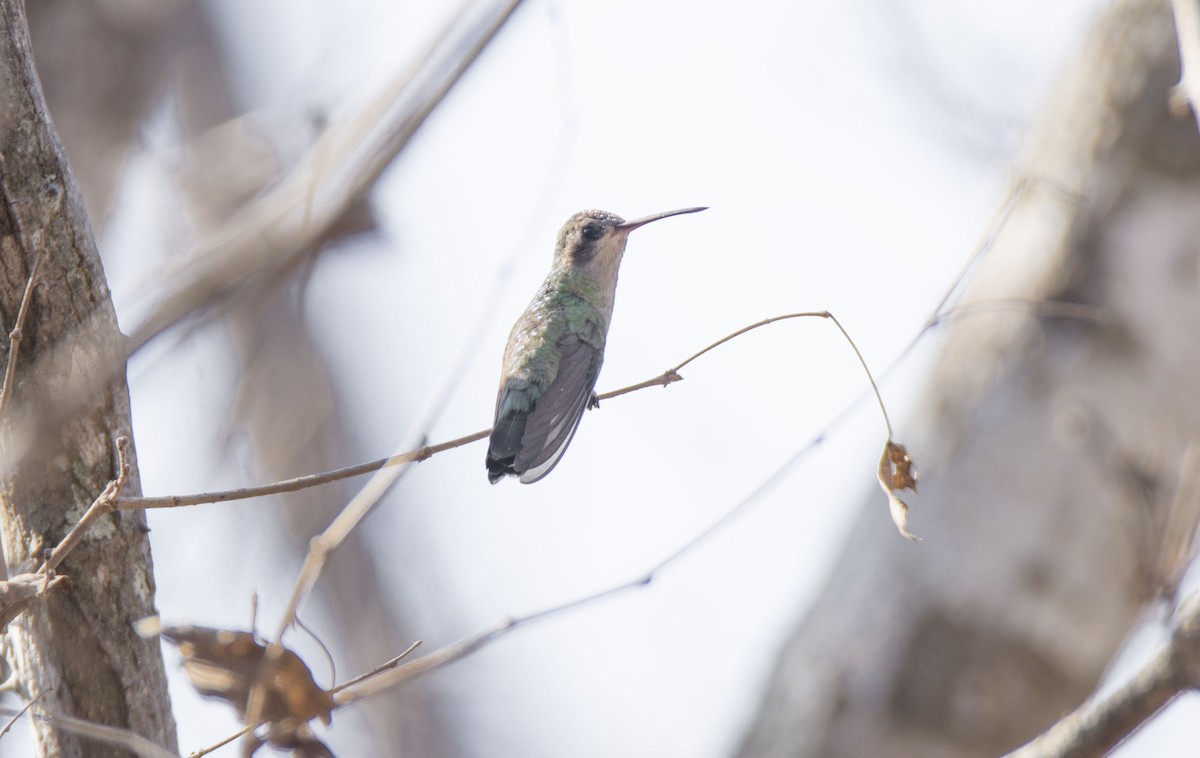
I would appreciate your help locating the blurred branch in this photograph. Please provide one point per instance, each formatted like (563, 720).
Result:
(1099, 725)
(131, 741)
(270, 233)
(1016, 193)
(1040, 308)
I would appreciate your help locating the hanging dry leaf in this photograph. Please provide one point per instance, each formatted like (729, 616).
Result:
(228, 664)
(897, 473)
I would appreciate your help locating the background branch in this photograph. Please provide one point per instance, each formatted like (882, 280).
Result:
(270, 233)
(1102, 723)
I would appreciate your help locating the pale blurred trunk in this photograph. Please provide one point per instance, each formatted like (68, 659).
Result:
(1049, 447)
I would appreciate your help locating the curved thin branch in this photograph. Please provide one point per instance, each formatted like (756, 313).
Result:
(670, 376)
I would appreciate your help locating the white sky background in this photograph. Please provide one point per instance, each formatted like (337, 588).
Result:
(851, 153)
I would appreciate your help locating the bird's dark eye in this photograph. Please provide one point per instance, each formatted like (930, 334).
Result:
(593, 232)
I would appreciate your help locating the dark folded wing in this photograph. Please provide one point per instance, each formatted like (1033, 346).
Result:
(551, 424)
(512, 408)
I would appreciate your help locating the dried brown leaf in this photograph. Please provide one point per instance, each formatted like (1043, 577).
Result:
(229, 664)
(897, 473)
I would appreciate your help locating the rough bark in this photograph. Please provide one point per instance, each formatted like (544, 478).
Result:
(1049, 448)
(77, 652)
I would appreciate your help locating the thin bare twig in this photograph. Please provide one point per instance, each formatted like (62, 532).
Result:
(388, 666)
(669, 376)
(8, 725)
(14, 337)
(245, 730)
(806, 314)
(297, 483)
(1041, 308)
(131, 741)
(999, 220)
(104, 503)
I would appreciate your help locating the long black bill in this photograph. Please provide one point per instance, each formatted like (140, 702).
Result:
(629, 226)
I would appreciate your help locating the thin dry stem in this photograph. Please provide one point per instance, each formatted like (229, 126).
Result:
(670, 376)
(245, 730)
(297, 483)
(104, 503)
(131, 741)
(8, 725)
(1015, 193)
(14, 337)
(388, 666)
(1041, 308)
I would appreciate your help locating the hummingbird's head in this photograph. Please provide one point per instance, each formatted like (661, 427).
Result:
(590, 238)
(593, 239)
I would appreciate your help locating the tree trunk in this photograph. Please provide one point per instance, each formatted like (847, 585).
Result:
(1049, 447)
(76, 652)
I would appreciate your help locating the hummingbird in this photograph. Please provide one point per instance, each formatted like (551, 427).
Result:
(557, 345)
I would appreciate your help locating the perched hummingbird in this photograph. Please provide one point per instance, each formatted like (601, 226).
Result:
(557, 345)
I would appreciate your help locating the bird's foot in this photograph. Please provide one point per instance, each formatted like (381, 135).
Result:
(593, 401)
